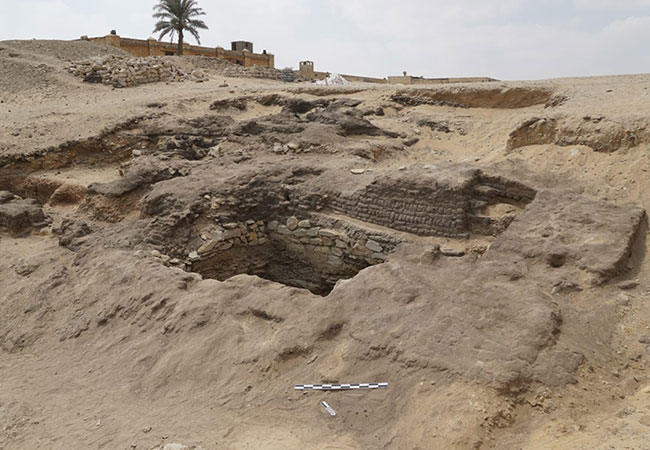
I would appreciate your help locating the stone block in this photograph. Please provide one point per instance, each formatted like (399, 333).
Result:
(334, 260)
(292, 223)
(328, 233)
(374, 246)
(207, 247)
(231, 233)
(358, 249)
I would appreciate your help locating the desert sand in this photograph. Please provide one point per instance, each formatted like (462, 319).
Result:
(178, 255)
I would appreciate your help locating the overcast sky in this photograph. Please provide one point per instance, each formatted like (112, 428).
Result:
(506, 39)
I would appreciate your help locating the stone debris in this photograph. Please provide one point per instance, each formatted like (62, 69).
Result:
(628, 285)
(126, 72)
(333, 80)
(17, 213)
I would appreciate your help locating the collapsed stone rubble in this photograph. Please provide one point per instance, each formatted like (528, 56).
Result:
(125, 72)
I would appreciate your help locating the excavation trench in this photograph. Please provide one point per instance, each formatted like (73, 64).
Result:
(307, 257)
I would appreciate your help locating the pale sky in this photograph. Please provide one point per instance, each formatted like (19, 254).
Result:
(505, 39)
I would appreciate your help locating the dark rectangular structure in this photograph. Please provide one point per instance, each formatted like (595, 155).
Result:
(240, 46)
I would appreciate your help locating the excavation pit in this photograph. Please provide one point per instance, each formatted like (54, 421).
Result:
(306, 257)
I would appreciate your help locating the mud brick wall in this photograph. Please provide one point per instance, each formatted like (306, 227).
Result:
(499, 188)
(435, 209)
(441, 213)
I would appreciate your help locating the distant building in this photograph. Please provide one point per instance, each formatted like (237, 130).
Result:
(241, 53)
(240, 46)
(407, 79)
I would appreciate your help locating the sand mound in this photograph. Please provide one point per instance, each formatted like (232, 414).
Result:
(599, 133)
(479, 97)
(40, 65)
(61, 50)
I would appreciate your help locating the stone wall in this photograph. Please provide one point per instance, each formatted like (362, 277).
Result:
(120, 72)
(236, 71)
(299, 234)
(294, 252)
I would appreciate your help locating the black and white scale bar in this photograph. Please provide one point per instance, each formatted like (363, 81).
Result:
(338, 387)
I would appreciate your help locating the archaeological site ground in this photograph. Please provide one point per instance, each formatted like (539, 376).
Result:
(184, 240)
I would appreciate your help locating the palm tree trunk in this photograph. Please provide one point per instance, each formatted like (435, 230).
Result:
(179, 52)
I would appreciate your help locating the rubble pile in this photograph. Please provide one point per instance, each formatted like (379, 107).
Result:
(125, 72)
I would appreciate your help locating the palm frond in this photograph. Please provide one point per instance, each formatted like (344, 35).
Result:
(176, 16)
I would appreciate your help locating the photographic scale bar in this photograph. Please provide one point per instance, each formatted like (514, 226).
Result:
(338, 387)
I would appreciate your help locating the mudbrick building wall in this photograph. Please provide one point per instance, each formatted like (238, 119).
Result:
(153, 47)
(434, 209)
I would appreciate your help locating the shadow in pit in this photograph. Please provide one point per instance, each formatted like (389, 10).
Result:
(298, 267)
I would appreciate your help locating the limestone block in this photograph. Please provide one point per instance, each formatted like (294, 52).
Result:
(304, 224)
(232, 233)
(328, 234)
(292, 223)
(334, 260)
(358, 249)
(374, 246)
(282, 229)
(207, 247)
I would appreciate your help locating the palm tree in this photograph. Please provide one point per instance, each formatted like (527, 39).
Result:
(176, 16)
